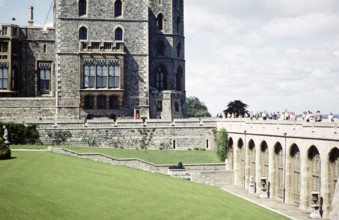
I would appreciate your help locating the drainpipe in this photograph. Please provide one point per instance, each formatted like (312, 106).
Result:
(284, 192)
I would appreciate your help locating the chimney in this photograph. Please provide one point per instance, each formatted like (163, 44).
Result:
(30, 16)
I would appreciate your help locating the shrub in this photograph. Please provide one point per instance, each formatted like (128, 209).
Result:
(20, 134)
(221, 140)
(5, 151)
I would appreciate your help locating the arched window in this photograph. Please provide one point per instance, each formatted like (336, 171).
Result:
(160, 21)
(113, 102)
(178, 24)
(160, 79)
(3, 76)
(295, 183)
(83, 33)
(82, 7)
(251, 157)
(179, 79)
(278, 187)
(178, 49)
(264, 159)
(118, 34)
(315, 169)
(101, 102)
(160, 48)
(117, 8)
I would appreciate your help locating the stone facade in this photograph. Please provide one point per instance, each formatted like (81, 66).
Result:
(296, 158)
(101, 59)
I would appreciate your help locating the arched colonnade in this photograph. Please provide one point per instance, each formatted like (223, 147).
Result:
(294, 167)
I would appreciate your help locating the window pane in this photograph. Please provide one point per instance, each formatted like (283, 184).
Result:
(48, 74)
(42, 74)
(86, 70)
(91, 70)
(5, 73)
(1, 83)
(110, 82)
(86, 81)
(91, 81)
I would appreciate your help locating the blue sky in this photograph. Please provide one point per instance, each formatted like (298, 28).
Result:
(271, 54)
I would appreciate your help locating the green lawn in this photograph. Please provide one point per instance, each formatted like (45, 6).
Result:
(152, 156)
(43, 185)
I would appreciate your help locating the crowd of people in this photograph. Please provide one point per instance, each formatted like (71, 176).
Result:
(307, 116)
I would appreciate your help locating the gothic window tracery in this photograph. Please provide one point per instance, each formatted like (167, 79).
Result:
(3, 76)
(44, 77)
(101, 74)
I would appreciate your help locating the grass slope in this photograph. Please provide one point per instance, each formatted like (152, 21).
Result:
(155, 156)
(43, 185)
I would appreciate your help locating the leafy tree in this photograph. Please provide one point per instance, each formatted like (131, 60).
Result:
(221, 140)
(196, 108)
(237, 107)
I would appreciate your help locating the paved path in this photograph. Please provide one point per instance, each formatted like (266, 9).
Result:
(288, 210)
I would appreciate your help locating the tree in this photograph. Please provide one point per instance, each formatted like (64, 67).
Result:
(221, 140)
(196, 108)
(237, 107)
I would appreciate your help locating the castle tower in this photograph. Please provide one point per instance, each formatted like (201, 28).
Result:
(167, 59)
(102, 57)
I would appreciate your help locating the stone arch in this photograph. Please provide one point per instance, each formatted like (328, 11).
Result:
(278, 167)
(295, 176)
(264, 159)
(241, 161)
(251, 159)
(313, 173)
(230, 156)
(333, 172)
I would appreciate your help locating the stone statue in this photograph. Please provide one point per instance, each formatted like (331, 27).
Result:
(5, 134)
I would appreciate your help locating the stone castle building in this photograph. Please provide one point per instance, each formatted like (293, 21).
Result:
(101, 58)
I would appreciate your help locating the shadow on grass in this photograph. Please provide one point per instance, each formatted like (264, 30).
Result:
(11, 158)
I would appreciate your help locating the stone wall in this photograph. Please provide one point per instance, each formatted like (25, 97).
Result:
(27, 108)
(153, 134)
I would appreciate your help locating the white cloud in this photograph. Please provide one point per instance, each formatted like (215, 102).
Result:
(302, 26)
